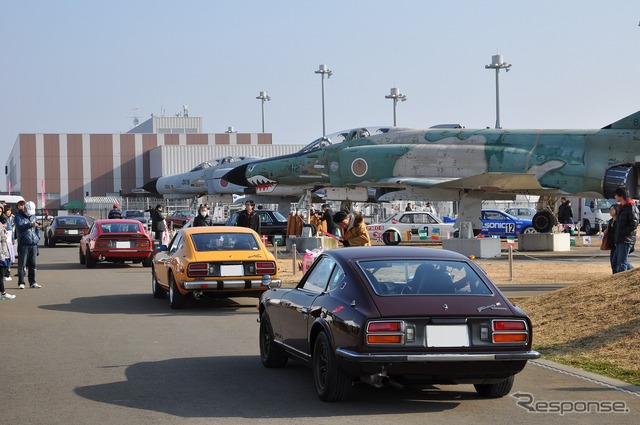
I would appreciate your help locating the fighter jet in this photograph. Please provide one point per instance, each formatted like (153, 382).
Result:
(207, 178)
(451, 163)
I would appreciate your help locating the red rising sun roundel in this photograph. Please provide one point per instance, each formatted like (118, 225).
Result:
(359, 167)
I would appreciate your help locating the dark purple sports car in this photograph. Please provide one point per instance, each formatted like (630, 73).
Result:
(402, 316)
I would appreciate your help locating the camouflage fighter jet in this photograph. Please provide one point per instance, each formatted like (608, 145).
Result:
(451, 163)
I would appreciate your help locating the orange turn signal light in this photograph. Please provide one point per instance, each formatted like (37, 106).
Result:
(519, 337)
(384, 339)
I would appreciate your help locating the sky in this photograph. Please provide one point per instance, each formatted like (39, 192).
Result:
(71, 66)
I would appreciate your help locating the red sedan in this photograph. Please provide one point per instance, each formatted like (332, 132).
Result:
(179, 218)
(116, 241)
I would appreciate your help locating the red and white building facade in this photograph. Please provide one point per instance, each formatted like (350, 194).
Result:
(59, 168)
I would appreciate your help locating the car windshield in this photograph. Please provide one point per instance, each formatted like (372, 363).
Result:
(134, 214)
(72, 221)
(120, 228)
(423, 277)
(224, 242)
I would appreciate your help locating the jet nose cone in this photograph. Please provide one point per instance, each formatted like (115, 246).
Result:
(150, 186)
(237, 175)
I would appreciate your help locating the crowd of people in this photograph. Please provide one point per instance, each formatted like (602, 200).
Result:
(23, 230)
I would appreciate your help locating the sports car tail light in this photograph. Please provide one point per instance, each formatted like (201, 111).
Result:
(510, 331)
(265, 267)
(143, 243)
(198, 269)
(103, 243)
(385, 332)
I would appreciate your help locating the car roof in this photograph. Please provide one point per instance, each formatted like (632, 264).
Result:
(392, 253)
(116, 220)
(216, 229)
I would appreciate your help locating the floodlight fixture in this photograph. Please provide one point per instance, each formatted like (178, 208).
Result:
(498, 63)
(396, 96)
(264, 97)
(323, 70)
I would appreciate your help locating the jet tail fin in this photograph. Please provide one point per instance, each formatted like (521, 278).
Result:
(632, 122)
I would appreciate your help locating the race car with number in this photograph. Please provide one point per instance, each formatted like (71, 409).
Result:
(410, 226)
(500, 224)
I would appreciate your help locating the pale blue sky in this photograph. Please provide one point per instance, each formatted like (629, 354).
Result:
(72, 66)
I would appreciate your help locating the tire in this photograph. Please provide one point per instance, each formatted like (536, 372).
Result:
(50, 242)
(543, 221)
(271, 353)
(147, 262)
(82, 258)
(391, 237)
(90, 261)
(332, 383)
(588, 229)
(528, 230)
(498, 390)
(157, 290)
(176, 299)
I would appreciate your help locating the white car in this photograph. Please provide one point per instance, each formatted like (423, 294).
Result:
(522, 212)
(410, 226)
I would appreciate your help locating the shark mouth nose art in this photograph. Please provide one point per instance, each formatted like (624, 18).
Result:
(262, 184)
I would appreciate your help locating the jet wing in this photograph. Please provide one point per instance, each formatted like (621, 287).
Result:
(493, 182)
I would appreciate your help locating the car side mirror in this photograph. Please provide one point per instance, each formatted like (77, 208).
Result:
(162, 248)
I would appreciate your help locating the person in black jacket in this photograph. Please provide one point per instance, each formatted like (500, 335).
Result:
(249, 218)
(610, 233)
(327, 217)
(115, 212)
(158, 225)
(202, 219)
(625, 231)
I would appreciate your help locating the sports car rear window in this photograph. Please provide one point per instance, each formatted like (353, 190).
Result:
(423, 277)
(224, 242)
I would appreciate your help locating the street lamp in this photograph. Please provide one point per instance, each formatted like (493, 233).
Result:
(322, 70)
(498, 63)
(396, 96)
(264, 97)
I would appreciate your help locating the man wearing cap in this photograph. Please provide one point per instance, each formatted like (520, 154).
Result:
(28, 235)
(115, 212)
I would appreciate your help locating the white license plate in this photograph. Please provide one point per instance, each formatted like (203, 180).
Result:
(447, 336)
(232, 270)
(123, 244)
(72, 232)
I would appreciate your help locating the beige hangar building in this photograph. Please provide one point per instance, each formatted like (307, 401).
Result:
(61, 168)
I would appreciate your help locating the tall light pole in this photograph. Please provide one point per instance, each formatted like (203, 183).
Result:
(323, 70)
(498, 63)
(264, 97)
(396, 96)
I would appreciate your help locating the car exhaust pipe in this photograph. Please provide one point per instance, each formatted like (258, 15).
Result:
(197, 294)
(101, 257)
(377, 380)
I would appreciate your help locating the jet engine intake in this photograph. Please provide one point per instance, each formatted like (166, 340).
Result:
(620, 175)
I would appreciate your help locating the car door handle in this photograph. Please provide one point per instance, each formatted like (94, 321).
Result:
(285, 303)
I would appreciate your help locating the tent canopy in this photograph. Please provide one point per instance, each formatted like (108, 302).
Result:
(74, 205)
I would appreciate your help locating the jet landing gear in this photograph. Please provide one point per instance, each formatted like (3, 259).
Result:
(545, 220)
